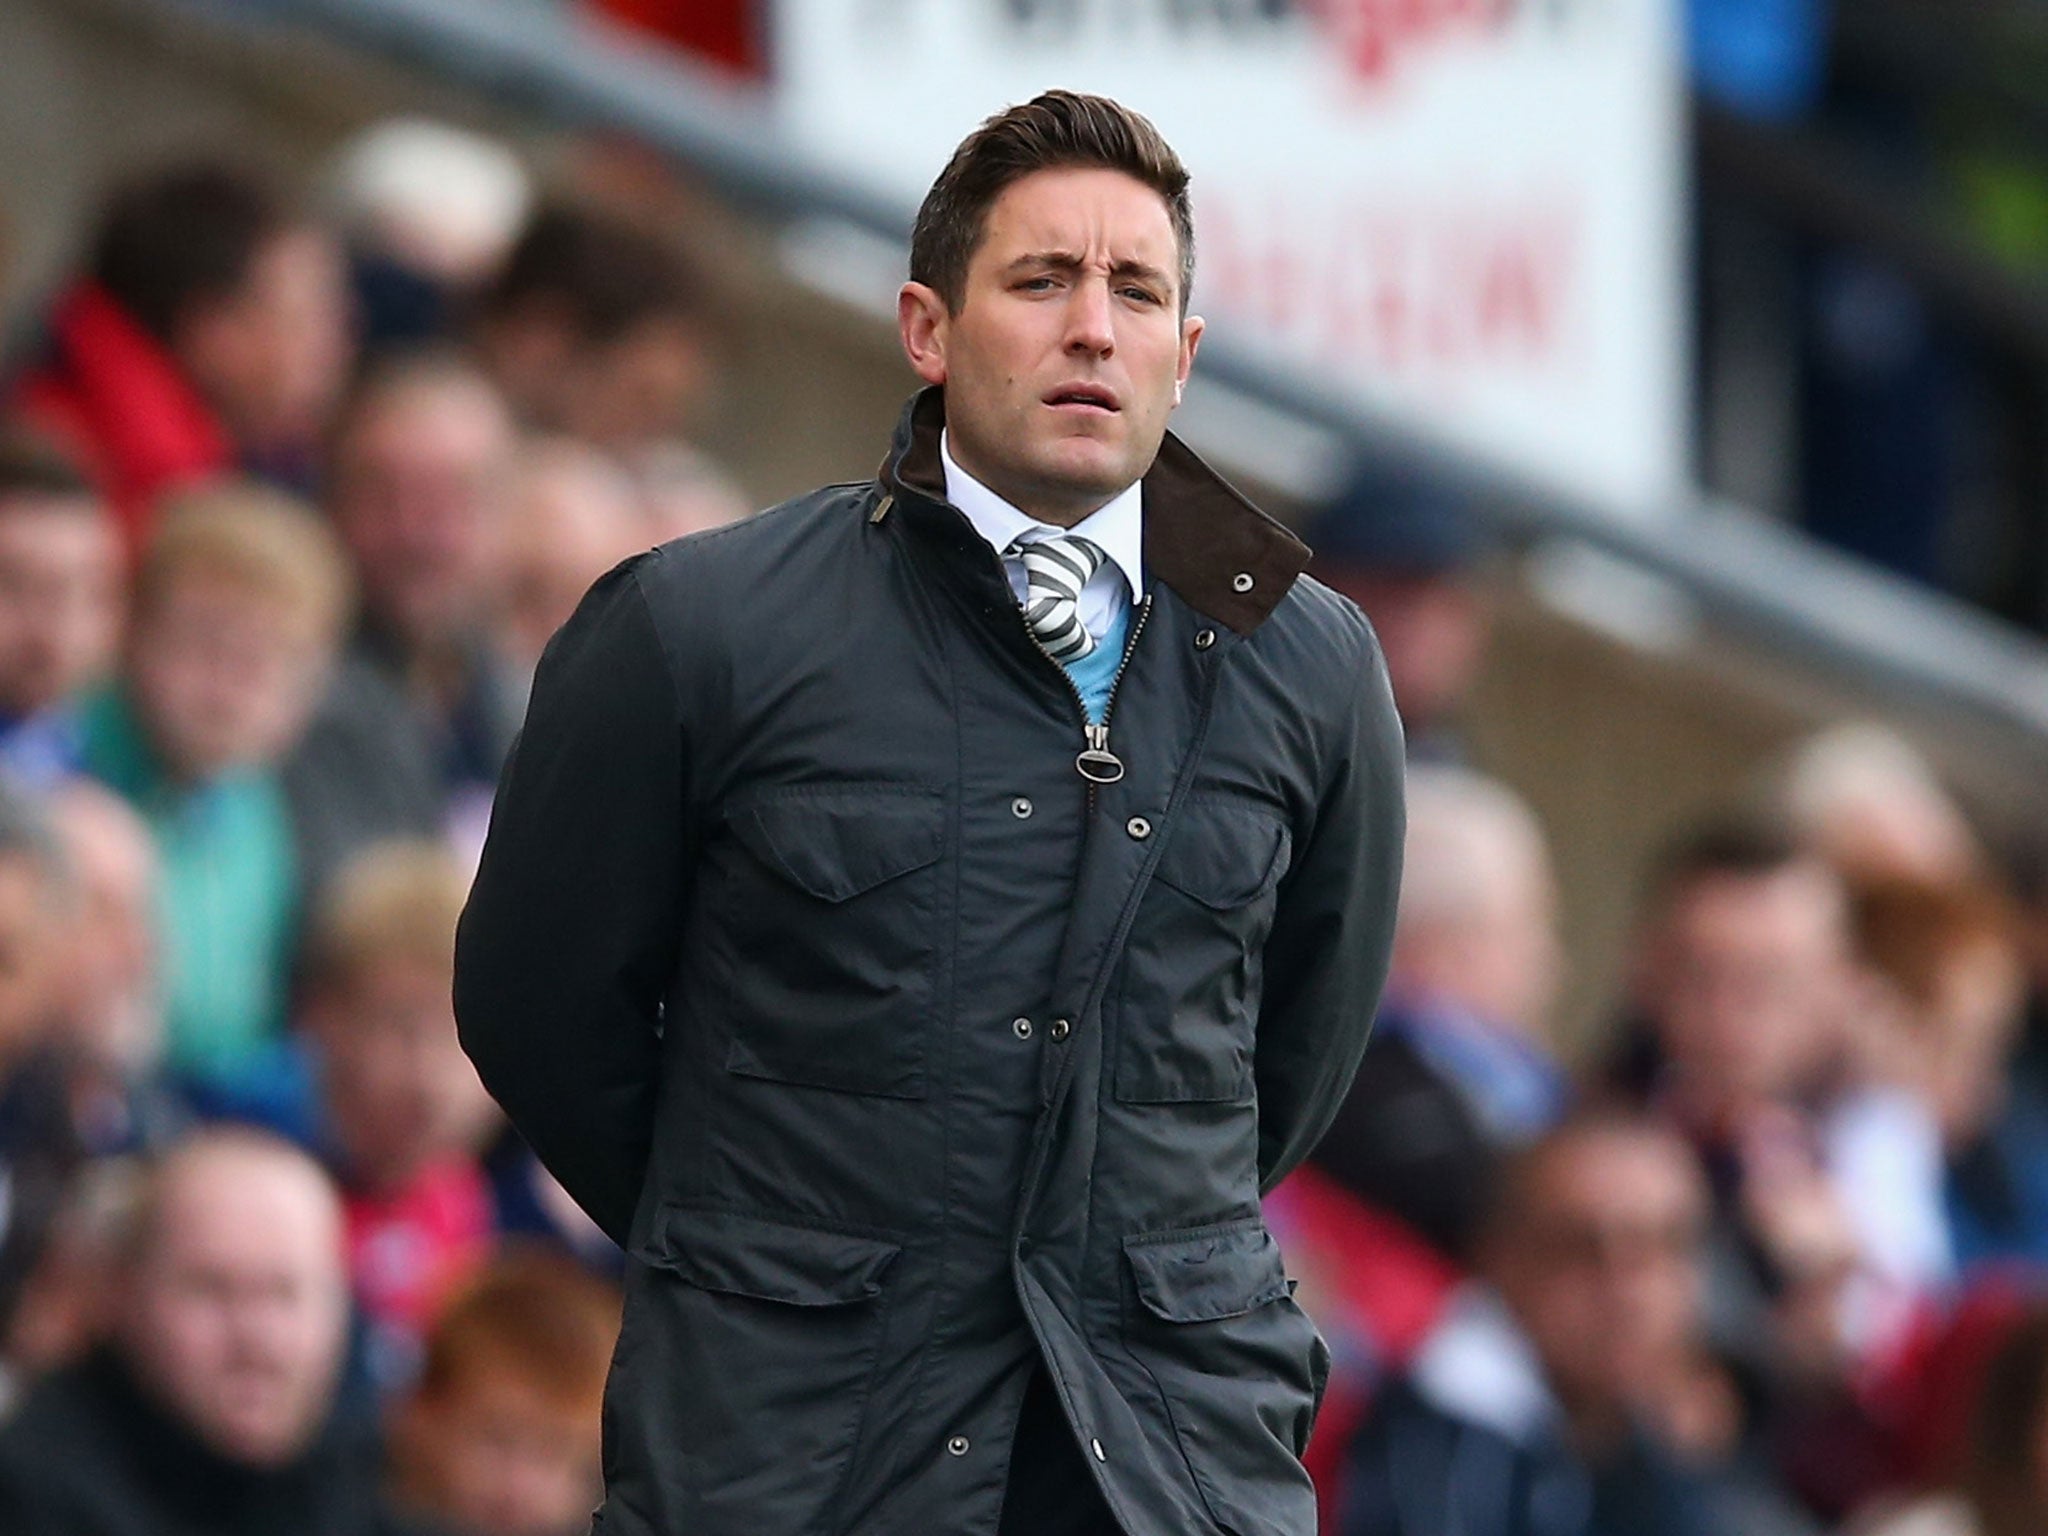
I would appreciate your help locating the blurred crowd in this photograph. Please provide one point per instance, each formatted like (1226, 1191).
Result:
(1767, 1258)
(292, 495)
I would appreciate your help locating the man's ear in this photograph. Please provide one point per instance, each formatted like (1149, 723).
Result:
(921, 317)
(1190, 338)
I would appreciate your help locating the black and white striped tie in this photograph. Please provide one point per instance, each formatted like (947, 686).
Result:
(1055, 571)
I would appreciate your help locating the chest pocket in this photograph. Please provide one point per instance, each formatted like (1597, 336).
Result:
(1192, 969)
(831, 916)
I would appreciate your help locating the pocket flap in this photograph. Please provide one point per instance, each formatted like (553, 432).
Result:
(1223, 856)
(1199, 1275)
(837, 845)
(768, 1260)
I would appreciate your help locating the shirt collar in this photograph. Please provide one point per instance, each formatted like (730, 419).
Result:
(1117, 528)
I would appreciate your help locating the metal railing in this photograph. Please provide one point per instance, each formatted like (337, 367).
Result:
(1904, 643)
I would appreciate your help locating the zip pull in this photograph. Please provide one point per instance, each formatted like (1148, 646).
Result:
(1097, 764)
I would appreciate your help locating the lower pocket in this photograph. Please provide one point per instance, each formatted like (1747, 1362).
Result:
(743, 1370)
(1238, 1365)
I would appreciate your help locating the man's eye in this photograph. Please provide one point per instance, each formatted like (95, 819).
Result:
(1141, 295)
(1036, 284)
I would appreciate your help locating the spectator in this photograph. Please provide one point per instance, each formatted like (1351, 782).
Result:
(1550, 1398)
(575, 516)
(1459, 1070)
(401, 1113)
(1829, 1232)
(1407, 550)
(113, 1001)
(209, 334)
(1460, 1065)
(39, 1147)
(596, 327)
(1947, 976)
(238, 605)
(422, 710)
(499, 1437)
(60, 607)
(210, 1412)
(430, 211)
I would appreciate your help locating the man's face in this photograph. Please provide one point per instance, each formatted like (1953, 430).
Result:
(1069, 350)
(60, 599)
(272, 356)
(236, 1314)
(1601, 1264)
(224, 677)
(397, 1089)
(420, 482)
(1744, 981)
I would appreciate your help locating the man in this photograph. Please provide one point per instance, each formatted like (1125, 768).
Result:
(211, 1410)
(1461, 1066)
(209, 333)
(597, 328)
(1557, 1397)
(926, 1013)
(422, 709)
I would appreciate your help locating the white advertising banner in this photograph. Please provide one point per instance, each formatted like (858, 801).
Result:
(1468, 210)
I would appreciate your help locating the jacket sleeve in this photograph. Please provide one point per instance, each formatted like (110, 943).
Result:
(570, 935)
(1333, 930)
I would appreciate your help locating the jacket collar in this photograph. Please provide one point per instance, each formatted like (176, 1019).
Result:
(1221, 555)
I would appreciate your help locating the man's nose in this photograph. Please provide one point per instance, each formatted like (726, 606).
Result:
(1088, 319)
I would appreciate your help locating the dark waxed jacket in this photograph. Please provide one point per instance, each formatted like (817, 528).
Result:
(899, 1055)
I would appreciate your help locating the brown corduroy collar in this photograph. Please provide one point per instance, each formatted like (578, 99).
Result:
(1220, 554)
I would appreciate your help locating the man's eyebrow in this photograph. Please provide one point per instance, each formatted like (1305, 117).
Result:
(1068, 261)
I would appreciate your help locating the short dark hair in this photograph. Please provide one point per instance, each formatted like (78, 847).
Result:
(34, 469)
(1057, 129)
(1741, 847)
(182, 235)
(605, 274)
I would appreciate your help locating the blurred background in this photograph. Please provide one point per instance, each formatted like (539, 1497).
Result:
(1668, 381)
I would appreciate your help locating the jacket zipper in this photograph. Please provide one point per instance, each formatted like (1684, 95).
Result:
(1096, 763)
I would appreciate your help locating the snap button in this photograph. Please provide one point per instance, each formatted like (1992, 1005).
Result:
(1059, 1029)
(957, 1446)
(1204, 638)
(1020, 807)
(1096, 1447)
(1022, 1028)
(1241, 582)
(1139, 828)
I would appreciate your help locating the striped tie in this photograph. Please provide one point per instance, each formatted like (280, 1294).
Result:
(1055, 571)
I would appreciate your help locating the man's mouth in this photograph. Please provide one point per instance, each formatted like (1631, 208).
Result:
(1083, 397)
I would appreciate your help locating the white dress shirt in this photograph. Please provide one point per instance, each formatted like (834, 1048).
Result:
(1116, 528)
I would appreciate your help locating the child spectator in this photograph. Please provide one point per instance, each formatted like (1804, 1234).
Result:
(499, 1436)
(60, 606)
(209, 333)
(400, 1112)
(239, 604)
(596, 327)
